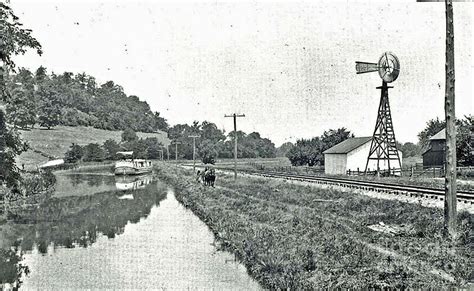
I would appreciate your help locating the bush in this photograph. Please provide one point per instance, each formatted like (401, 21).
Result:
(93, 153)
(74, 154)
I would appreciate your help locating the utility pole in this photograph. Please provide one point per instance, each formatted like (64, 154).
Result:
(194, 150)
(2, 70)
(176, 143)
(235, 115)
(450, 180)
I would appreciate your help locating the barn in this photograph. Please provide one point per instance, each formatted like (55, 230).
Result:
(434, 155)
(351, 154)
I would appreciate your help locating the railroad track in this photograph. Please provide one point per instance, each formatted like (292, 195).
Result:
(390, 188)
(398, 189)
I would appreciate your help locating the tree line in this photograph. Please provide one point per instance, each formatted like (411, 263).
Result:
(213, 143)
(310, 151)
(143, 148)
(75, 100)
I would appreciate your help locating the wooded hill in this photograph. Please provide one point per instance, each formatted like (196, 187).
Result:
(75, 100)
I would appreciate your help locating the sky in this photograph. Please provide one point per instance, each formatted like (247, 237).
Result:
(288, 66)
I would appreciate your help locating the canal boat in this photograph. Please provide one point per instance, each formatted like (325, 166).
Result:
(131, 166)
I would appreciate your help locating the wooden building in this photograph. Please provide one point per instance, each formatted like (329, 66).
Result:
(435, 154)
(352, 154)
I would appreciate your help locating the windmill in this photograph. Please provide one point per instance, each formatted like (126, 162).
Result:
(383, 147)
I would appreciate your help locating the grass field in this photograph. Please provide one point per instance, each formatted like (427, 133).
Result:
(304, 237)
(55, 142)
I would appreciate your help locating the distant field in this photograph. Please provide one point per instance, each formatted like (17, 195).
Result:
(277, 162)
(56, 142)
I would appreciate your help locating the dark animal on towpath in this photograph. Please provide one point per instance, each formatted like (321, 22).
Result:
(209, 177)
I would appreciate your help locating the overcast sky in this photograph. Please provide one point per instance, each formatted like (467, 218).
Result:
(290, 67)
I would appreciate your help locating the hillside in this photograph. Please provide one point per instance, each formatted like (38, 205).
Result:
(56, 142)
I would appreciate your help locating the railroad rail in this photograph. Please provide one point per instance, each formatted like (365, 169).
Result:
(376, 186)
(390, 188)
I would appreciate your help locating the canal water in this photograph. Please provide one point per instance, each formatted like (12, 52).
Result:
(99, 231)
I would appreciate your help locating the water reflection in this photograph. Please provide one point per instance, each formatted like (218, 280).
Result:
(126, 237)
(70, 220)
(132, 182)
(170, 249)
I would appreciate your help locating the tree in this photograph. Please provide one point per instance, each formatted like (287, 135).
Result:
(306, 152)
(464, 141)
(333, 137)
(21, 110)
(310, 151)
(153, 148)
(208, 152)
(41, 75)
(10, 146)
(209, 131)
(93, 152)
(111, 148)
(140, 149)
(160, 122)
(49, 106)
(74, 154)
(432, 127)
(410, 149)
(129, 135)
(15, 40)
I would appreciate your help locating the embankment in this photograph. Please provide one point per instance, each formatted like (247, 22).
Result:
(299, 237)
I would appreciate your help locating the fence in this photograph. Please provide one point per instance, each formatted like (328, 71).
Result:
(418, 170)
(317, 170)
(383, 172)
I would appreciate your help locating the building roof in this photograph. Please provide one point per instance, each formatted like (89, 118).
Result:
(439, 135)
(348, 145)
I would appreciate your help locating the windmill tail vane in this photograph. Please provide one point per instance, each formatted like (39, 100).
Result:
(365, 67)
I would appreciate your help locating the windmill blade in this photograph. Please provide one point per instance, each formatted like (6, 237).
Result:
(365, 67)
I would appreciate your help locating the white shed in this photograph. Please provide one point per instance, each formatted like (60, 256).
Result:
(351, 154)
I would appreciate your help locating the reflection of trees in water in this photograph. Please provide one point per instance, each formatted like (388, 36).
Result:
(75, 179)
(90, 180)
(79, 220)
(95, 181)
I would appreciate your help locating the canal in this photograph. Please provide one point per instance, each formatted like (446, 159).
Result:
(107, 232)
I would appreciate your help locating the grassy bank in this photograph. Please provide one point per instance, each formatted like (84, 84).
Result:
(293, 236)
(48, 144)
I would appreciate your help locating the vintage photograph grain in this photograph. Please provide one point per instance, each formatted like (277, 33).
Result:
(236, 145)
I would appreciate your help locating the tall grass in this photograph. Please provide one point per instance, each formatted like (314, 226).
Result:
(294, 236)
